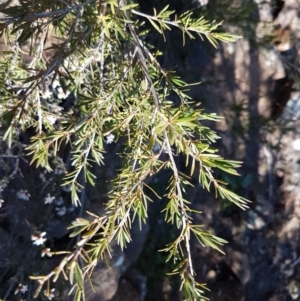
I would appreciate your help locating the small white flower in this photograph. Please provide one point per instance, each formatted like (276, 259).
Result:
(49, 294)
(110, 138)
(49, 199)
(55, 84)
(21, 288)
(47, 252)
(61, 96)
(42, 177)
(23, 195)
(47, 94)
(51, 119)
(24, 289)
(59, 89)
(60, 211)
(56, 108)
(60, 201)
(1, 202)
(38, 239)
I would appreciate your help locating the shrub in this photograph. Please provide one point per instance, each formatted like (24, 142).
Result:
(89, 79)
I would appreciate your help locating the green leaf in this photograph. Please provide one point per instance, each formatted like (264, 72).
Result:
(78, 276)
(76, 231)
(153, 23)
(129, 6)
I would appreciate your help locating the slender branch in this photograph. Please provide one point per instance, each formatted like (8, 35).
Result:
(142, 61)
(107, 99)
(176, 23)
(36, 16)
(183, 212)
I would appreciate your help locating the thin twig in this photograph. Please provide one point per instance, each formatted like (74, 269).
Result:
(36, 16)
(142, 61)
(175, 23)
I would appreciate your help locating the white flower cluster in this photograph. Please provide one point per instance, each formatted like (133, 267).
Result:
(38, 238)
(23, 195)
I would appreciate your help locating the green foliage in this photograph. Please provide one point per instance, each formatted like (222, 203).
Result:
(123, 95)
